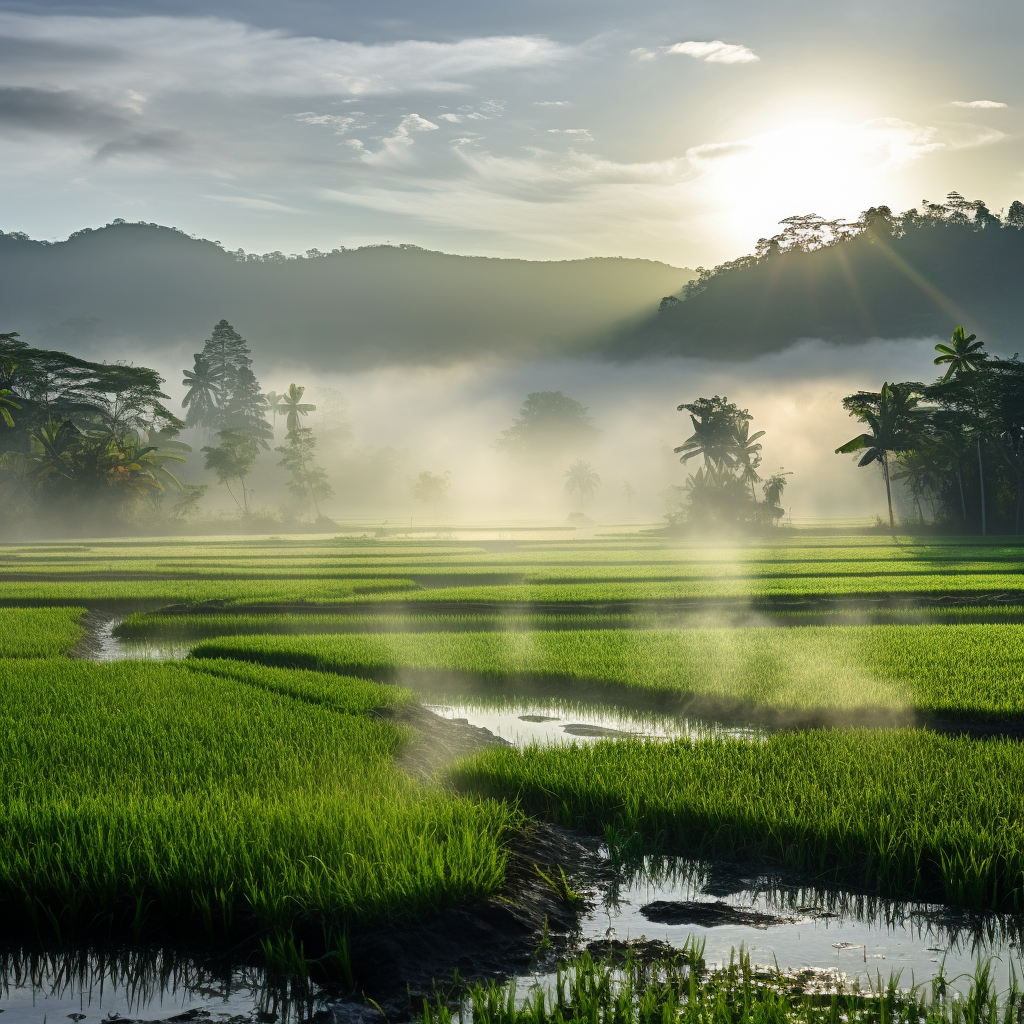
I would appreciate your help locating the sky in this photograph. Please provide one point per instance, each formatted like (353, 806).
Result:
(552, 129)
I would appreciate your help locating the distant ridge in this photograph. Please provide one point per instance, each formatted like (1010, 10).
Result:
(897, 278)
(155, 287)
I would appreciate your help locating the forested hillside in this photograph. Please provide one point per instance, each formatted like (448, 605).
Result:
(914, 275)
(157, 286)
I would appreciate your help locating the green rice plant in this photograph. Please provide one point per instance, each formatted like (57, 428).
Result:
(904, 813)
(221, 799)
(638, 986)
(187, 591)
(965, 671)
(39, 632)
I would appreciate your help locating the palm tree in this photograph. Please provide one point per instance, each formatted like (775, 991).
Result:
(746, 453)
(713, 437)
(775, 485)
(892, 424)
(204, 393)
(7, 403)
(966, 359)
(629, 493)
(961, 355)
(291, 403)
(582, 478)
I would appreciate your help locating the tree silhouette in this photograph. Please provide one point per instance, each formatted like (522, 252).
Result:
(961, 355)
(629, 493)
(893, 422)
(298, 457)
(292, 405)
(548, 423)
(582, 478)
(233, 459)
(202, 400)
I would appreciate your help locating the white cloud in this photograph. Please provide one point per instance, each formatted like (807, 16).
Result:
(982, 104)
(454, 118)
(581, 133)
(714, 52)
(395, 149)
(202, 55)
(642, 53)
(250, 203)
(341, 124)
(551, 103)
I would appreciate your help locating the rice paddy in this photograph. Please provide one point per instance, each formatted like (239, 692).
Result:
(257, 791)
(965, 670)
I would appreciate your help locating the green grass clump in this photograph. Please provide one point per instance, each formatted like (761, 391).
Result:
(39, 632)
(967, 670)
(220, 798)
(641, 986)
(902, 813)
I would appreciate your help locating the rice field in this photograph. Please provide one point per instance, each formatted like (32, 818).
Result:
(256, 789)
(39, 632)
(222, 799)
(957, 671)
(898, 812)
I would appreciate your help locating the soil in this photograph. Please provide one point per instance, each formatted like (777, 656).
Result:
(708, 915)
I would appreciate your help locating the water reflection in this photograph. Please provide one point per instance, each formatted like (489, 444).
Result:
(552, 721)
(86, 985)
(798, 925)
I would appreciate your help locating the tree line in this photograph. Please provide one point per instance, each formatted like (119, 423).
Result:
(957, 443)
(83, 438)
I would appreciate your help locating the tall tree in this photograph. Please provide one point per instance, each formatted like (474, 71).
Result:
(582, 478)
(549, 423)
(893, 419)
(298, 457)
(202, 400)
(233, 459)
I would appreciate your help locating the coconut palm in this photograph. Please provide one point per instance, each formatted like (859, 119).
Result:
(291, 404)
(628, 492)
(582, 478)
(893, 423)
(963, 354)
(203, 398)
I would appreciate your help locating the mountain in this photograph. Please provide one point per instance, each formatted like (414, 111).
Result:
(146, 287)
(918, 279)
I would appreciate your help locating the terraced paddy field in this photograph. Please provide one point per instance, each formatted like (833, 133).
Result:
(364, 749)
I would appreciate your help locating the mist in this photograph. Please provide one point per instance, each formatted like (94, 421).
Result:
(378, 429)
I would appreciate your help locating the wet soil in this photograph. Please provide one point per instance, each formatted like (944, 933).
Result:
(708, 915)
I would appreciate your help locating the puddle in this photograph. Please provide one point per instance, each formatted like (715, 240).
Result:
(553, 722)
(138, 984)
(800, 927)
(104, 646)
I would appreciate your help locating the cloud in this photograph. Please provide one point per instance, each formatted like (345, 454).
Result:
(581, 133)
(982, 104)
(395, 149)
(551, 103)
(252, 203)
(155, 143)
(215, 55)
(341, 124)
(58, 111)
(715, 52)
(454, 118)
(642, 53)
(116, 130)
